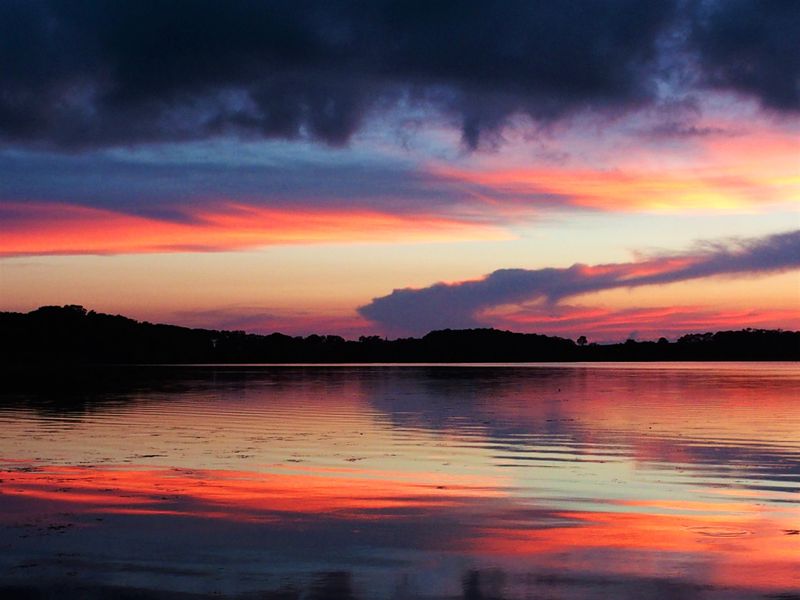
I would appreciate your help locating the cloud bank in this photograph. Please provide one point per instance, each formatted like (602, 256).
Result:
(64, 229)
(461, 304)
(90, 73)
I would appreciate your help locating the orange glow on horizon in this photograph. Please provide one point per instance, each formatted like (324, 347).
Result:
(649, 322)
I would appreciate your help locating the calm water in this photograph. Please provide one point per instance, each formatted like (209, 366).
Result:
(547, 482)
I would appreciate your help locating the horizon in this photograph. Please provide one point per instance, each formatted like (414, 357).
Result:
(88, 311)
(615, 170)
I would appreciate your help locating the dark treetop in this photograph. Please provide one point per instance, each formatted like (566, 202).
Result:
(71, 335)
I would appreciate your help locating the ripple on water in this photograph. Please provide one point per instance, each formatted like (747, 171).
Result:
(718, 531)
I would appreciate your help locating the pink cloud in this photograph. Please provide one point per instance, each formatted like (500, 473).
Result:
(54, 228)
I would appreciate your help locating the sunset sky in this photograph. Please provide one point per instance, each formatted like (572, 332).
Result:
(611, 169)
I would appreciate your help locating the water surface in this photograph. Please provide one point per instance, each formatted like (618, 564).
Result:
(502, 482)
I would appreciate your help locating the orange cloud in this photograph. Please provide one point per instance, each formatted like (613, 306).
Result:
(718, 174)
(54, 228)
(745, 165)
(619, 191)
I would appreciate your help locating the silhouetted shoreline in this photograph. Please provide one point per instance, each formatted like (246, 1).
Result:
(70, 335)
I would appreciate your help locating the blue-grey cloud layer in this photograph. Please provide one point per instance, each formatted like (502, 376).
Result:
(172, 184)
(460, 304)
(81, 73)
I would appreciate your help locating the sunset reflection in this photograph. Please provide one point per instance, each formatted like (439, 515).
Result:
(450, 481)
(741, 543)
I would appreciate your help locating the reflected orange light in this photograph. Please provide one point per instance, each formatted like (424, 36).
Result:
(243, 496)
(741, 544)
(741, 552)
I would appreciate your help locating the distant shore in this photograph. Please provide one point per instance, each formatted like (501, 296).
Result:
(68, 336)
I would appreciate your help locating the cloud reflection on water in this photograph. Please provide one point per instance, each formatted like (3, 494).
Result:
(406, 483)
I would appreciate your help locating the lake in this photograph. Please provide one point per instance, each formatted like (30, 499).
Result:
(669, 481)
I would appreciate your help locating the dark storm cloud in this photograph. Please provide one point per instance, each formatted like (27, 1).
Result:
(750, 46)
(77, 73)
(460, 304)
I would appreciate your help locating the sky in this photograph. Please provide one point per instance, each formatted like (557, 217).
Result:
(616, 169)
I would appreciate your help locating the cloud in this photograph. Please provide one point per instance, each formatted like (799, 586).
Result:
(749, 46)
(48, 229)
(461, 304)
(266, 320)
(602, 324)
(89, 73)
(153, 182)
(628, 189)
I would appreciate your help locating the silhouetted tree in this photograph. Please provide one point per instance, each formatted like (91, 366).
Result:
(69, 335)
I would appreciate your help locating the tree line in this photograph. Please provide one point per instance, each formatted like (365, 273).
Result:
(73, 335)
